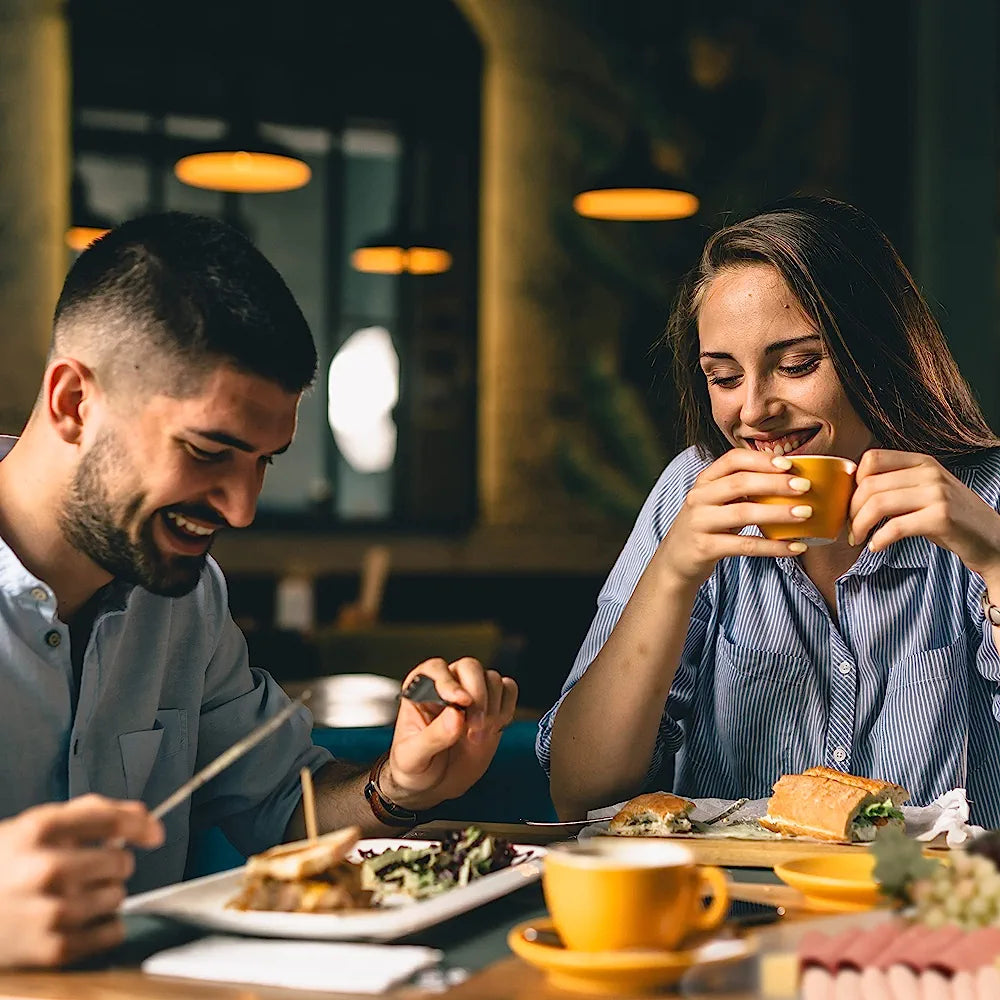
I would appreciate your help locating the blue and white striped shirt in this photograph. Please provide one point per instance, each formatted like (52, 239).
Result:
(906, 687)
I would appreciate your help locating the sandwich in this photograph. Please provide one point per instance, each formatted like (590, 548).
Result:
(308, 876)
(655, 814)
(828, 805)
(897, 793)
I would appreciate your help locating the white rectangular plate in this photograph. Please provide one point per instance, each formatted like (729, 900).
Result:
(202, 902)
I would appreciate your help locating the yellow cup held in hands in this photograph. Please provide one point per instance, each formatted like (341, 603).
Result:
(831, 486)
(607, 894)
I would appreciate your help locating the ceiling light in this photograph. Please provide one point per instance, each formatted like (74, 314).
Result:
(636, 191)
(250, 166)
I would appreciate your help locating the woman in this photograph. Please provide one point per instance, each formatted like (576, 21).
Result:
(799, 332)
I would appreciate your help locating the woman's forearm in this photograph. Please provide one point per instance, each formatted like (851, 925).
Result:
(605, 730)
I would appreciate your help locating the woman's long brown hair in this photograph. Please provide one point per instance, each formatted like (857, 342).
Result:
(885, 344)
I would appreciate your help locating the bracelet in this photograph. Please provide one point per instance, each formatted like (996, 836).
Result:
(384, 809)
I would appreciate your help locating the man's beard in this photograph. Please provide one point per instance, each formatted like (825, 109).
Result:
(97, 526)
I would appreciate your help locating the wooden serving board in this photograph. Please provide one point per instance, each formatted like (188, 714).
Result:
(721, 851)
(726, 853)
(732, 853)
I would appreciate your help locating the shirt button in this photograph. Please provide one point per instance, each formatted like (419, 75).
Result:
(840, 755)
(53, 638)
(39, 593)
(844, 667)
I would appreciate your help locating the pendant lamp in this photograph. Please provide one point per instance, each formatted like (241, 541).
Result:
(406, 247)
(634, 190)
(243, 163)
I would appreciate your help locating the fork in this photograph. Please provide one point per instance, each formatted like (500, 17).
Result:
(423, 690)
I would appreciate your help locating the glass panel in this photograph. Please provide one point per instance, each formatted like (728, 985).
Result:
(371, 168)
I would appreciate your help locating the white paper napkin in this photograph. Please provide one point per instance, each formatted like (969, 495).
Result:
(336, 967)
(949, 814)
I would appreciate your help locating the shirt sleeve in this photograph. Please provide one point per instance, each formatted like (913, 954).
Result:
(253, 799)
(652, 524)
(985, 481)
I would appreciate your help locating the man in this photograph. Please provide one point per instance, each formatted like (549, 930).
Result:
(178, 360)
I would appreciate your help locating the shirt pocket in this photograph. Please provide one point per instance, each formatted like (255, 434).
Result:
(141, 751)
(930, 666)
(764, 703)
(921, 733)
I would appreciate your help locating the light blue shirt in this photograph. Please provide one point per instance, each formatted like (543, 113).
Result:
(166, 687)
(906, 687)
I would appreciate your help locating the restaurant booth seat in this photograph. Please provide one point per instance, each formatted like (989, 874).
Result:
(514, 788)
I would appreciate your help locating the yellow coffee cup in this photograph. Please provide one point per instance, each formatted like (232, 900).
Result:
(829, 495)
(611, 894)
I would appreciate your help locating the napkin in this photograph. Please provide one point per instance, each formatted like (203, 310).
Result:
(951, 818)
(336, 967)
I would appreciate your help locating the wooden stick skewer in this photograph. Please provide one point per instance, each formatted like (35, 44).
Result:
(308, 803)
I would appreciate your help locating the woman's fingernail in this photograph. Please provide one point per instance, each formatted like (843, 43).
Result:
(799, 484)
(781, 463)
(850, 537)
(802, 510)
(797, 547)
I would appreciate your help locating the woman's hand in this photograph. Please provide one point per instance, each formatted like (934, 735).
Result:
(720, 505)
(917, 496)
(439, 752)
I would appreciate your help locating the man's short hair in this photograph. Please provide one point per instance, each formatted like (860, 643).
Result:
(164, 299)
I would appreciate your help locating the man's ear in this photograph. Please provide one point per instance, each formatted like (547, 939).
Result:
(69, 392)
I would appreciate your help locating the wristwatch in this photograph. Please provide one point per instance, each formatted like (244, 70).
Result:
(990, 611)
(384, 809)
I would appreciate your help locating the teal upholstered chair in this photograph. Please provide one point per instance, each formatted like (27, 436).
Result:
(514, 788)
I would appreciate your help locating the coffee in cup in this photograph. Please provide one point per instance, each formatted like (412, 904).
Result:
(829, 495)
(609, 894)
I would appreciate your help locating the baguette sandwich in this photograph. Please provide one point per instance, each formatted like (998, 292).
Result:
(655, 814)
(828, 805)
(897, 793)
(305, 877)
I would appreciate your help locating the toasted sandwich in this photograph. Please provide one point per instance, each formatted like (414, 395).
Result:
(655, 814)
(305, 877)
(833, 806)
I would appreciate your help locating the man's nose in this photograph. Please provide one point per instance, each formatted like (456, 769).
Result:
(235, 498)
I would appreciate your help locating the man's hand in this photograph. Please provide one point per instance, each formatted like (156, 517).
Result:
(439, 752)
(61, 880)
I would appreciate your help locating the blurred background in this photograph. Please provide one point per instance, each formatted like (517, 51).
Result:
(491, 407)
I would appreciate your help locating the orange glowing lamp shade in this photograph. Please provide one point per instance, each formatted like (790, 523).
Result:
(428, 260)
(379, 260)
(242, 171)
(78, 238)
(638, 204)
(400, 260)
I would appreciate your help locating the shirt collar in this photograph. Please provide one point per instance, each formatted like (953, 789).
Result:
(907, 553)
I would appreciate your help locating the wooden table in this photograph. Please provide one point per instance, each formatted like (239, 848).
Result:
(475, 941)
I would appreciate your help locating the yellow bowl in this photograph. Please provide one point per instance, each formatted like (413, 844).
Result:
(837, 879)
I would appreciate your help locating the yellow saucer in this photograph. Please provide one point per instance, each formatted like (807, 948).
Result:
(616, 972)
(834, 883)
